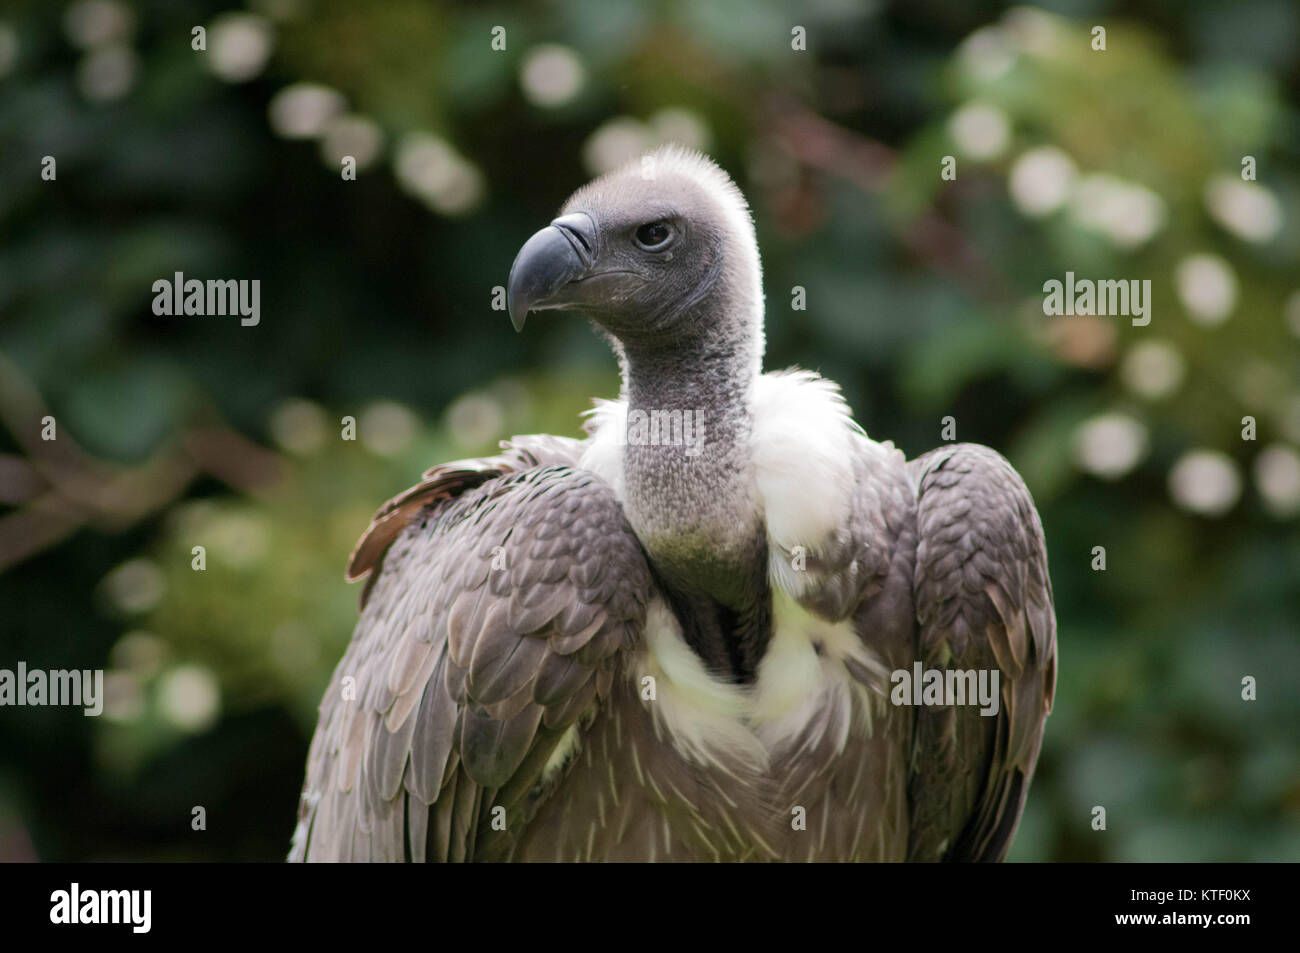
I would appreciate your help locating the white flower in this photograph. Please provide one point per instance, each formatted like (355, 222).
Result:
(303, 110)
(1110, 445)
(551, 75)
(189, 697)
(1207, 287)
(1277, 474)
(1247, 209)
(1205, 482)
(1153, 369)
(1127, 214)
(980, 131)
(239, 45)
(1041, 180)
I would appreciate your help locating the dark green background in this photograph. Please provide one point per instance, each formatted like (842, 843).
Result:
(924, 300)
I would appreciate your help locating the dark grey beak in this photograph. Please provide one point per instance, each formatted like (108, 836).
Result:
(560, 253)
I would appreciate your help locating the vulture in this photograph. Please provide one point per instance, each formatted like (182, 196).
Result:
(725, 626)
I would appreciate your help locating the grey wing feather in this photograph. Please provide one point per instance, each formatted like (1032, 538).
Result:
(983, 601)
(502, 593)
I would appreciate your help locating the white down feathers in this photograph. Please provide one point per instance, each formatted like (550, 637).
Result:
(803, 444)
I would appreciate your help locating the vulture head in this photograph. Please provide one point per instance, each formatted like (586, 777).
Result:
(661, 255)
(661, 250)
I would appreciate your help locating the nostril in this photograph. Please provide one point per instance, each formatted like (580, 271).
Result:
(582, 239)
(580, 230)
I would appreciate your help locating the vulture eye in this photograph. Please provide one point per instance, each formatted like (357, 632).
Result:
(654, 236)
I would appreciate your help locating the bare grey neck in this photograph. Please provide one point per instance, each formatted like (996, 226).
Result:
(691, 495)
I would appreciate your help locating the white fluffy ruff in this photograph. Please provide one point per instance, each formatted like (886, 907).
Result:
(803, 443)
(799, 696)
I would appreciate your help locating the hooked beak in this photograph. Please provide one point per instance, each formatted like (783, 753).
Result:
(560, 253)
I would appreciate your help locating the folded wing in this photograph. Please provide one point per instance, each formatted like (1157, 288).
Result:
(983, 602)
(502, 593)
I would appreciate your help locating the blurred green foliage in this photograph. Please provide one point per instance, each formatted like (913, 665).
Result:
(924, 300)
